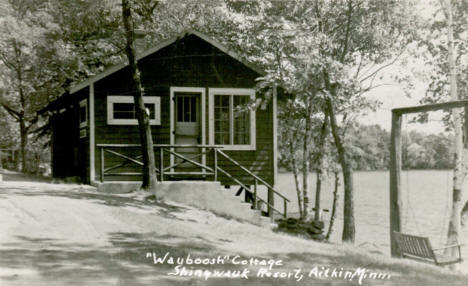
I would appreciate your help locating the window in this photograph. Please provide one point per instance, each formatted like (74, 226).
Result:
(127, 110)
(186, 107)
(121, 110)
(83, 113)
(232, 123)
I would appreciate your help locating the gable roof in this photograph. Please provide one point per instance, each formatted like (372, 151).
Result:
(162, 45)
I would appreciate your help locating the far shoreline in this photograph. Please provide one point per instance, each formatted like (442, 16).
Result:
(283, 171)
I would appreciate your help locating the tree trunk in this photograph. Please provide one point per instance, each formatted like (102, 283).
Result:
(318, 186)
(149, 167)
(21, 114)
(464, 214)
(23, 143)
(318, 189)
(348, 212)
(334, 206)
(295, 170)
(305, 158)
(454, 224)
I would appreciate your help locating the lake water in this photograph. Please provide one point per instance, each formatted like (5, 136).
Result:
(426, 196)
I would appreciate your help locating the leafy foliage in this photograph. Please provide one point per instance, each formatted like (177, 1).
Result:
(45, 46)
(434, 47)
(368, 147)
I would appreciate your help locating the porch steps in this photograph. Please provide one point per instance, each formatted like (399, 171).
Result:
(205, 195)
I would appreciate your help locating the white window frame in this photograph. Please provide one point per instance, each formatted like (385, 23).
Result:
(83, 103)
(211, 130)
(111, 99)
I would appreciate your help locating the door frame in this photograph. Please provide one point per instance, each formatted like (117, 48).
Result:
(202, 91)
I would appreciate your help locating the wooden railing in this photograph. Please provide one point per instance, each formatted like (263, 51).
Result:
(163, 171)
(257, 179)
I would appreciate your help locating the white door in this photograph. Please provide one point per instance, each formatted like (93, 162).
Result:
(187, 127)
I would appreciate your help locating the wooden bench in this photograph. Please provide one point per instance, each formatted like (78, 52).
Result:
(419, 248)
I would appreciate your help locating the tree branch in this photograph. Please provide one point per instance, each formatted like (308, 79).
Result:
(384, 66)
(15, 114)
(5, 61)
(348, 27)
(31, 123)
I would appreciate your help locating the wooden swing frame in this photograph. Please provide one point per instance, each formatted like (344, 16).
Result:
(395, 162)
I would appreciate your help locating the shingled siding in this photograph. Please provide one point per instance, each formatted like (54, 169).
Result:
(189, 62)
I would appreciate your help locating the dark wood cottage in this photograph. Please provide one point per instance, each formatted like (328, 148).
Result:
(196, 91)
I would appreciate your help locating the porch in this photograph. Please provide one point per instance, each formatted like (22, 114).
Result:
(191, 162)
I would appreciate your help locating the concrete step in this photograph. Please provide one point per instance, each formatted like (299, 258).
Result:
(205, 195)
(247, 207)
(120, 187)
(213, 197)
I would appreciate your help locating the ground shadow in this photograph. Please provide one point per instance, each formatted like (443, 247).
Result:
(112, 200)
(122, 262)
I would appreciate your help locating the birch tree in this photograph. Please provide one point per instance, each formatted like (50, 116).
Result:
(446, 43)
(459, 172)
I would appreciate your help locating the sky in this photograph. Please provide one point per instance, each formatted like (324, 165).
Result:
(394, 96)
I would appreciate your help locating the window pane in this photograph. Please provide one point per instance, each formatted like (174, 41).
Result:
(241, 120)
(124, 111)
(222, 119)
(180, 109)
(123, 107)
(193, 109)
(82, 114)
(186, 109)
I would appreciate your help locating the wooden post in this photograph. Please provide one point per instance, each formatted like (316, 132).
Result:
(161, 163)
(395, 186)
(102, 164)
(285, 208)
(255, 195)
(246, 193)
(271, 214)
(465, 129)
(271, 202)
(215, 164)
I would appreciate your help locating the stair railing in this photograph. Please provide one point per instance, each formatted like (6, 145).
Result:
(257, 179)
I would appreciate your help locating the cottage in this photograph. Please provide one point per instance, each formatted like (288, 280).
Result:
(195, 89)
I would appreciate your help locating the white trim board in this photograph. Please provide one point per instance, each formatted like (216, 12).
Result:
(275, 137)
(92, 148)
(111, 99)
(231, 91)
(83, 103)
